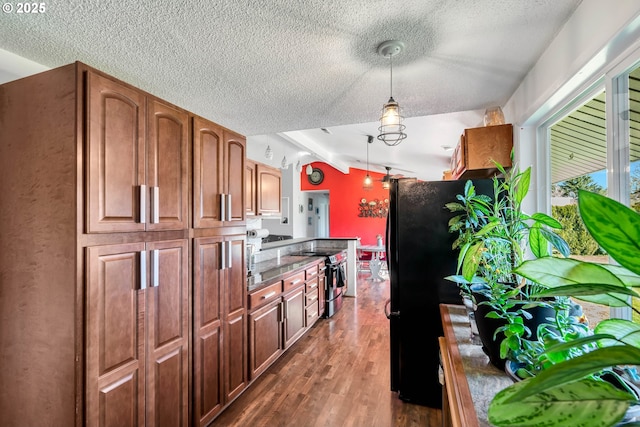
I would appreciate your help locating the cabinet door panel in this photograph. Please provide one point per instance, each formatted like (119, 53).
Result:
(235, 348)
(115, 336)
(115, 155)
(168, 325)
(265, 337)
(208, 155)
(269, 198)
(235, 327)
(207, 297)
(167, 166)
(234, 174)
(294, 317)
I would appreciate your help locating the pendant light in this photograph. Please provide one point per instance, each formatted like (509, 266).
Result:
(368, 182)
(391, 128)
(386, 181)
(268, 153)
(283, 163)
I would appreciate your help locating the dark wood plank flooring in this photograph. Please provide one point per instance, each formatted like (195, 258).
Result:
(336, 375)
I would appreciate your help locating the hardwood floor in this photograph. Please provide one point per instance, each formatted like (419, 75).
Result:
(336, 375)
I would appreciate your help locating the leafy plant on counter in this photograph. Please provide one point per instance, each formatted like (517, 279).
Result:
(493, 234)
(572, 391)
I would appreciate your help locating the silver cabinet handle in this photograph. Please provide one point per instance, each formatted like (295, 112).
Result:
(143, 270)
(228, 207)
(223, 209)
(295, 282)
(281, 318)
(223, 256)
(143, 204)
(155, 268)
(155, 205)
(269, 295)
(230, 254)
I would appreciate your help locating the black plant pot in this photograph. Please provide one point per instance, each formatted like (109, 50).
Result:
(488, 326)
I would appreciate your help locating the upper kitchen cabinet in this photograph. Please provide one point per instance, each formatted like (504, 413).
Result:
(250, 187)
(137, 153)
(269, 190)
(218, 175)
(479, 148)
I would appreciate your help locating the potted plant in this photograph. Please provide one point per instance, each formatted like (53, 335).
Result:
(572, 391)
(493, 234)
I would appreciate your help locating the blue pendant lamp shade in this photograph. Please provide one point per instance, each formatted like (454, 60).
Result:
(391, 127)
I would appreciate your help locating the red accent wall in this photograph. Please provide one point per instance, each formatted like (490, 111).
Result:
(345, 194)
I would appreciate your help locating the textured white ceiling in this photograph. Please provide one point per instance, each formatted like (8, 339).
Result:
(267, 67)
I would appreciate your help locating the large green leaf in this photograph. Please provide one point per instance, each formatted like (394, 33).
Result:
(586, 403)
(627, 277)
(556, 272)
(600, 293)
(614, 226)
(523, 185)
(624, 330)
(546, 220)
(556, 241)
(472, 260)
(537, 243)
(577, 368)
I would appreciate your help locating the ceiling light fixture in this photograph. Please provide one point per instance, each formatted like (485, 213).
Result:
(386, 181)
(368, 182)
(283, 164)
(268, 153)
(298, 166)
(391, 128)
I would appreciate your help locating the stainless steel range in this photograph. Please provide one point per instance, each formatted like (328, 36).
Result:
(335, 285)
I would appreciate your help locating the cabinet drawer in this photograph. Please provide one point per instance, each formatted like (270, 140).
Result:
(312, 285)
(265, 294)
(311, 296)
(312, 314)
(294, 280)
(312, 272)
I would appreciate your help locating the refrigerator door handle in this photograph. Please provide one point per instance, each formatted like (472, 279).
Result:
(390, 314)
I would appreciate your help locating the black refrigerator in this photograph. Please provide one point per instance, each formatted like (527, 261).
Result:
(419, 257)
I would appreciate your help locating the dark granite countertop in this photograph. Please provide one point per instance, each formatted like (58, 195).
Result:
(267, 272)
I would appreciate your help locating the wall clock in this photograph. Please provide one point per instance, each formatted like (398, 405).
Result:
(316, 176)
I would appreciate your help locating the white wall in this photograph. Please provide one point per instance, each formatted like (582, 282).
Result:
(594, 38)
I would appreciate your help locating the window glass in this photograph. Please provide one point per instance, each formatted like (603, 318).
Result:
(578, 161)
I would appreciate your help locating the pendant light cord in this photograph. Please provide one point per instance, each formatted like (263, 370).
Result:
(391, 76)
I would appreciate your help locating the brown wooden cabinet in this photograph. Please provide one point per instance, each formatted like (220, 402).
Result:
(137, 160)
(269, 190)
(137, 334)
(96, 323)
(263, 185)
(220, 324)
(218, 175)
(265, 335)
(251, 184)
(294, 315)
(477, 150)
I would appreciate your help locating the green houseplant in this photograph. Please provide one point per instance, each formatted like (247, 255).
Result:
(493, 235)
(571, 391)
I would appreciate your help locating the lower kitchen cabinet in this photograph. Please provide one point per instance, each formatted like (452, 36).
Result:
(137, 334)
(220, 324)
(294, 315)
(265, 335)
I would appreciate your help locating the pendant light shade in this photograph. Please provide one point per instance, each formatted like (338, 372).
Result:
(268, 153)
(283, 163)
(298, 166)
(386, 181)
(368, 182)
(391, 127)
